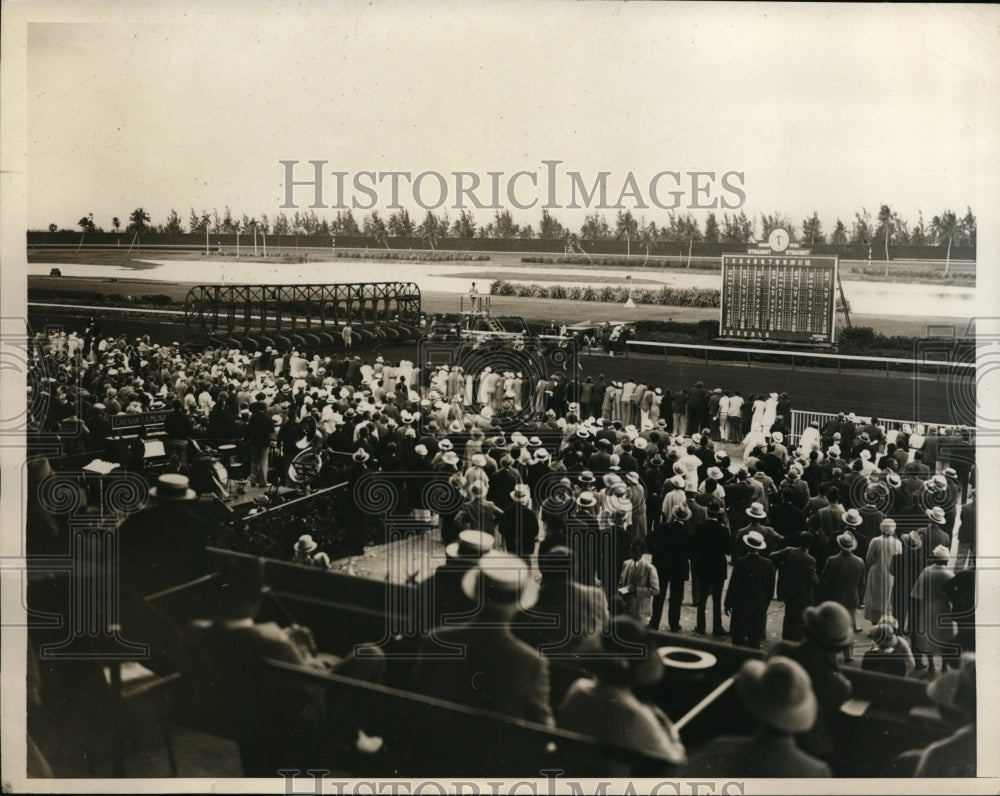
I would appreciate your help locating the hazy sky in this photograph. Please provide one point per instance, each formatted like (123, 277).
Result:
(825, 108)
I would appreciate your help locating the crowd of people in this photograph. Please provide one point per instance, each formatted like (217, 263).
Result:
(605, 503)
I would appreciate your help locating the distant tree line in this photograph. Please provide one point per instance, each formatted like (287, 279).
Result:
(879, 231)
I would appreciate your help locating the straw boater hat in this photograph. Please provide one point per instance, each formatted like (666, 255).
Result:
(678, 482)
(470, 544)
(936, 515)
(541, 455)
(521, 494)
(940, 554)
(586, 500)
(851, 517)
(715, 507)
(450, 457)
(846, 541)
(446, 445)
(829, 624)
(913, 540)
(173, 486)
(501, 579)
(306, 544)
(778, 693)
(756, 511)
(361, 455)
(754, 540)
(586, 477)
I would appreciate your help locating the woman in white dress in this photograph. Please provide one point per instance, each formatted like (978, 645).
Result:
(757, 416)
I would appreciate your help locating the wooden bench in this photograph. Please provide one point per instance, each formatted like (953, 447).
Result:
(424, 736)
(887, 714)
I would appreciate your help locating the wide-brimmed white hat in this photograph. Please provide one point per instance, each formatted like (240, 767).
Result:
(756, 511)
(173, 486)
(755, 540)
(501, 578)
(470, 544)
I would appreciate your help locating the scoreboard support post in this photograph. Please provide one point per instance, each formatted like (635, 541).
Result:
(844, 306)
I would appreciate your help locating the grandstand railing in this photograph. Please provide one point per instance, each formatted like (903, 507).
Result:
(801, 421)
(950, 367)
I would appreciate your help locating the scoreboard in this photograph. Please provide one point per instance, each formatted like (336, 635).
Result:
(771, 296)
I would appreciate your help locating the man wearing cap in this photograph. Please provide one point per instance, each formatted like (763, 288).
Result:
(495, 670)
(843, 579)
(751, 587)
(779, 696)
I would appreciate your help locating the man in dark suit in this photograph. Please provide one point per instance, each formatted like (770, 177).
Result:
(797, 586)
(495, 670)
(934, 533)
(751, 587)
(827, 522)
(502, 484)
(785, 517)
(843, 579)
(519, 525)
(599, 462)
(670, 545)
(739, 496)
(757, 517)
(710, 545)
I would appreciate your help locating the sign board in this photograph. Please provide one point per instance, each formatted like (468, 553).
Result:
(786, 295)
(134, 421)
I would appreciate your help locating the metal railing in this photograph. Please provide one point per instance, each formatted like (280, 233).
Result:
(801, 420)
(876, 363)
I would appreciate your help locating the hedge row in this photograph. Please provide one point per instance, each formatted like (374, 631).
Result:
(424, 256)
(953, 278)
(615, 294)
(96, 297)
(698, 263)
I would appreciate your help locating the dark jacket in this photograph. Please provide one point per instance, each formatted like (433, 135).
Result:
(842, 580)
(710, 545)
(798, 576)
